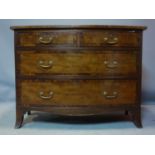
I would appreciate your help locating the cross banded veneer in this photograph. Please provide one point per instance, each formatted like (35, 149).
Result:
(78, 70)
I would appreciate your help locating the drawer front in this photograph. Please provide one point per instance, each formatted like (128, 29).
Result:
(46, 38)
(110, 38)
(78, 93)
(73, 63)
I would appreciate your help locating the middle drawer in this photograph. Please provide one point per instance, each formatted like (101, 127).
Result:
(74, 63)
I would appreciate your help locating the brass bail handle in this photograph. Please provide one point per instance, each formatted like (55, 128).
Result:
(45, 65)
(112, 64)
(107, 96)
(45, 39)
(111, 40)
(45, 97)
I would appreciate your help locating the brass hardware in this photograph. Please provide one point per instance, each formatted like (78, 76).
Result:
(105, 39)
(45, 65)
(111, 40)
(42, 96)
(45, 39)
(113, 96)
(111, 65)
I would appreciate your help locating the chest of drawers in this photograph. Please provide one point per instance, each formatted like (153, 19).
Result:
(78, 70)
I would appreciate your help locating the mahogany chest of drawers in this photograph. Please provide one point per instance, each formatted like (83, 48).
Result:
(78, 70)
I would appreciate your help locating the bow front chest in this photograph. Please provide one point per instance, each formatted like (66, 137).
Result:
(78, 70)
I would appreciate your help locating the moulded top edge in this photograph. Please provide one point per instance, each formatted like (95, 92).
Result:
(78, 27)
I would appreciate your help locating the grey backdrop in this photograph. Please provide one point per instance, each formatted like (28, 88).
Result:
(7, 76)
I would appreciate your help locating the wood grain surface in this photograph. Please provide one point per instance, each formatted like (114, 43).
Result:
(75, 70)
(78, 92)
(73, 63)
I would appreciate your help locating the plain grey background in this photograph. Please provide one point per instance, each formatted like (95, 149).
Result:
(7, 70)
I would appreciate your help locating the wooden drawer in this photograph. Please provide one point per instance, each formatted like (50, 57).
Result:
(73, 63)
(78, 93)
(46, 38)
(110, 38)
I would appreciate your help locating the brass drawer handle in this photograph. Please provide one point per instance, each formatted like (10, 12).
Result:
(45, 40)
(111, 65)
(45, 65)
(42, 96)
(113, 40)
(107, 96)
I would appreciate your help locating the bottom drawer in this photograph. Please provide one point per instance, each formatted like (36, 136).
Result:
(78, 92)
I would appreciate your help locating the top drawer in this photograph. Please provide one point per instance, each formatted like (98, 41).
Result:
(46, 38)
(82, 38)
(110, 38)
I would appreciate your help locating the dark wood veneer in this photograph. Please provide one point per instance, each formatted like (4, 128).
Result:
(115, 43)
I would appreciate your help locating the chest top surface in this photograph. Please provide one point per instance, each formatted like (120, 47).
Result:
(125, 27)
